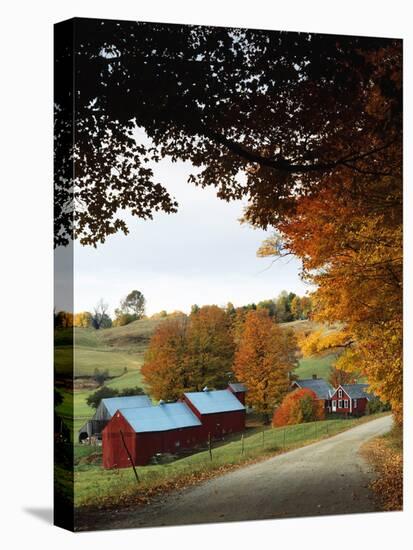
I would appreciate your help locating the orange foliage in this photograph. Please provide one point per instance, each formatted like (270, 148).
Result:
(349, 237)
(189, 353)
(165, 366)
(299, 406)
(266, 353)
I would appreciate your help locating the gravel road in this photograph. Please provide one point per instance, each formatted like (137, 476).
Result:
(328, 477)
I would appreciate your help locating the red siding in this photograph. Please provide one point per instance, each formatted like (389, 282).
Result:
(114, 453)
(143, 446)
(222, 424)
(219, 424)
(240, 395)
(356, 409)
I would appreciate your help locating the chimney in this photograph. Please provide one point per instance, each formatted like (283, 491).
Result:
(314, 377)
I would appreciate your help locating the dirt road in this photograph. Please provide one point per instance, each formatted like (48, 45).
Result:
(328, 477)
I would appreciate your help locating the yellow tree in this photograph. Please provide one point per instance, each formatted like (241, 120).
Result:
(210, 347)
(165, 366)
(83, 319)
(265, 356)
(350, 243)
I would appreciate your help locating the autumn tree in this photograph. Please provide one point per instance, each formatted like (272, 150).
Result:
(306, 306)
(210, 347)
(337, 377)
(351, 246)
(189, 353)
(269, 305)
(63, 319)
(83, 319)
(299, 406)
(265, 355)
(165, 369)
(325, 339)
(283, 109)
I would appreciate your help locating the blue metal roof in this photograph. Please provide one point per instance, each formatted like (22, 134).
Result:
(357, 391)
(112, 404)
(160, 418)
(319, 386)
(238, 387)
(214, 401)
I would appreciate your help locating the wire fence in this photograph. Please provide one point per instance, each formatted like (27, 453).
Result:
(276, 439)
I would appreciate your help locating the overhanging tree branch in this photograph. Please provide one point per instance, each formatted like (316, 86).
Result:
(283, 164)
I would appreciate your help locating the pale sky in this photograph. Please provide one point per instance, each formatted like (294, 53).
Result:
(201, 255)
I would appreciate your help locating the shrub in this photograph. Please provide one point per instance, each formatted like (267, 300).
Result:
(375, 405)
(299, 406)
(104, 392)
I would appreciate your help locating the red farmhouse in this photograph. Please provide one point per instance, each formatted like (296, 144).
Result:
(350, 399)
(220, 412)
(239, 390)
(146, 431)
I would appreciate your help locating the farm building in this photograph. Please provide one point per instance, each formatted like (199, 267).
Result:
(220, 412)
(106, 409)
(319, 386)
(145, 431)
(350, 399)
(239, 390)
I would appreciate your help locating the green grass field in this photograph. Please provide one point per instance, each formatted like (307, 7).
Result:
(96, 486)
(315, 365)
(118, 350)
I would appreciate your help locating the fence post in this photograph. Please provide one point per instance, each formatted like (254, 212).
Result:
(242, 445)
(210, 446)
(327, 427)
(130, 456)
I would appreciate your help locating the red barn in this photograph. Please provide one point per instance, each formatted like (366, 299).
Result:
(239, 390)
(350, 399)
(220, 412)
(147, 431)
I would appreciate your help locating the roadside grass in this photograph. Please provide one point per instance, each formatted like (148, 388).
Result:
(385, 454)
(96, 487)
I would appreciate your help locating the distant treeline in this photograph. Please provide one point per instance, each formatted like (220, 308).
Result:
(285, 308)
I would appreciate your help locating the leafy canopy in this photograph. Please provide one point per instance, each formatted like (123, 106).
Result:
(259, 114)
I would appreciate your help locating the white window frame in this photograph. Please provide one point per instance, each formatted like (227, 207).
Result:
(340, 404)
(340, 393)
(345, 403)
(334, 403)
